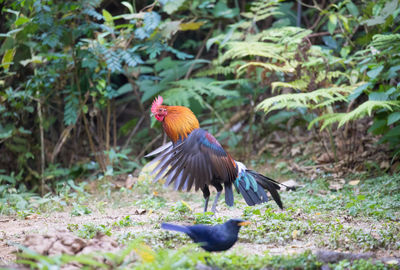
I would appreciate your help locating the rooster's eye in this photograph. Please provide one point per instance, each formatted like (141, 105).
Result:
(160, 110)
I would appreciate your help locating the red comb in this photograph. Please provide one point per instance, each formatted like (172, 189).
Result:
(156, 103)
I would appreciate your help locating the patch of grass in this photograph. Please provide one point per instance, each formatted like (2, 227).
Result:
(124, 222)
(89, 231)
(80, 210)
(181, 208)
(151, 202)
(206, 218)
(378, 198)
(360, 264)
(156, 239)
(137, 255)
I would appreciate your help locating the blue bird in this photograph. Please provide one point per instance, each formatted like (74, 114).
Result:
(211, 238)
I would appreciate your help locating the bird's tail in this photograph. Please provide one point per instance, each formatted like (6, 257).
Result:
(252, 184)
(269, 184)
(173, 227)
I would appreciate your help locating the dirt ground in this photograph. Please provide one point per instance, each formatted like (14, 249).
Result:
(13, 230)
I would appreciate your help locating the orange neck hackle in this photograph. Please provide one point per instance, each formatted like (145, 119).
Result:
(179, 122)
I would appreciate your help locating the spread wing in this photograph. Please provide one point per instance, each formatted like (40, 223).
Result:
(199, 160)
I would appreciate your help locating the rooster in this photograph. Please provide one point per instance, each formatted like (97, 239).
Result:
(194, 158)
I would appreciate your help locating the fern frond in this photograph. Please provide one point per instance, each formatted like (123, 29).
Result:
(328, 102)
(245, 49)
(230, 82)
(327, 120)
(184, 90)
(308, 100)
(267, 66)
(383, 42)
(336, 74)
(221, 70)
(366, 109)
(261, 10)
(297, 84)
(284, 35)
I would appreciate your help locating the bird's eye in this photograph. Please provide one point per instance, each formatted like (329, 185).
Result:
(160, 110)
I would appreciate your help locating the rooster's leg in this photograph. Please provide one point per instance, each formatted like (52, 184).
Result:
(214, 206)
(206, 204)
(206, 195)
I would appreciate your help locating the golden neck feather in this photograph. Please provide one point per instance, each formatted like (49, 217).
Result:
(179, 122)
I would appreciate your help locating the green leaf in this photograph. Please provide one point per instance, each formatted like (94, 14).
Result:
(8, 58)
(330, 42)
(394, 132)
(172, 6)
(108, 17)
(24, 131)
(373, 73)
(378, 96)
(21, 21)
(168, 29)
(129, 6)
(352, 9)
(393, 117)
(392, 73)
(378, 127)
(358, 91)
(332, 23)
(6, 132)
(89, 63)
(222, 10)
(124, 89)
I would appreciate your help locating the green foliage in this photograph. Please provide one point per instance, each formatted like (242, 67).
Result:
(88, 231)
(325, 79)
(80, 210)
(73, 78)
(181, 207)
(124, 222)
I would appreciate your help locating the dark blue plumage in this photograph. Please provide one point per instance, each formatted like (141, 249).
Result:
(211, 238)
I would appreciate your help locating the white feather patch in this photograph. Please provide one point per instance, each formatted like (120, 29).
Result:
(241, 167)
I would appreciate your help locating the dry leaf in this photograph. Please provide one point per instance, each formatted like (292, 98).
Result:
(140, 211)
(354, 182)
(33, 216)
(325, 158)
(384, 165)
(337, 184)
(294, 151)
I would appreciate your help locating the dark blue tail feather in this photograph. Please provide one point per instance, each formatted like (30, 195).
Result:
(228, 194)
(173, 227)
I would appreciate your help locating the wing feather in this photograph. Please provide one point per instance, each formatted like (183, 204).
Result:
(197, 161)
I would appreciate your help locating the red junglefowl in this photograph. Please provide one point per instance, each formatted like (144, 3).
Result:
(196, 159)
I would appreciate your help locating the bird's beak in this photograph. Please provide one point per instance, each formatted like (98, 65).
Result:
(244, 223)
